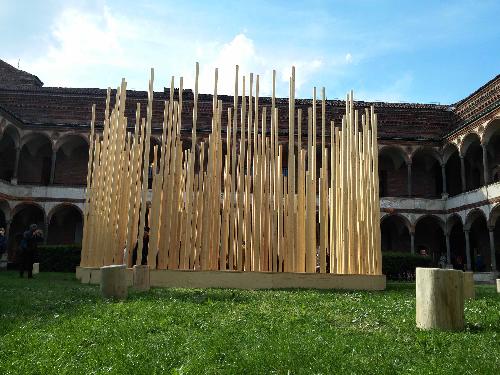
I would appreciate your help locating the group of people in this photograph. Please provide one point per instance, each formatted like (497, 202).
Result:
(27, 251)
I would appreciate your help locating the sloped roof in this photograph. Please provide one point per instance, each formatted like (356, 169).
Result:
(72, 107)
(11, 77)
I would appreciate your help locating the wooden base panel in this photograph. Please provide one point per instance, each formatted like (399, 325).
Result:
(247, 280)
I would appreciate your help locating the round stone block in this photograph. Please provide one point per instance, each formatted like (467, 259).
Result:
(469, 291)
(114, 281)
(141, 278)
(440, 299)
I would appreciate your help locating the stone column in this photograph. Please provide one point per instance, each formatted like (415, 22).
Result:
(448, 250)
(53, 167)
(141, 278)
(16, 166)
(467, 249)
(443, 175)
(492, 249)
(412, 242)
(485, 164)
(462, 173)
(408, 166)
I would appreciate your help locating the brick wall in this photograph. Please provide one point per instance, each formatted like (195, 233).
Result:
(35, 169)
(71, 169)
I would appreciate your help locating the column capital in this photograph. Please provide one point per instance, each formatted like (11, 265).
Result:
(466, 230)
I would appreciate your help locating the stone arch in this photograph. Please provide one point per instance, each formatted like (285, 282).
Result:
(35, 160)
(451, 158)
(490, 129)
(65, 224)
(427, 181)
(452, 220)
(494, 223)
(472, 152)
(68, 137)
(439, 220)
(23, 215)
(4, 213)
(13, 132)
(494, 215)
(72, 156)
(456, 235)
(472, 215)
(491, 141)
(468, 139)
(476, 223)
(395, 233)
(393, 176)
(9, 143)
(429, 236)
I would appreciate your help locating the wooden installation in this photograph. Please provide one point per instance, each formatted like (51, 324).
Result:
(225, 203)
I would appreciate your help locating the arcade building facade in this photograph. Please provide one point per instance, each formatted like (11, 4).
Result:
(439, 165)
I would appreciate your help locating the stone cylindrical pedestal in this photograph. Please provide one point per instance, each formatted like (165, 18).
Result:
(36, 268)
(440, 299)
(141, 278)
(469, 291)
(498, 285)
(114, 281)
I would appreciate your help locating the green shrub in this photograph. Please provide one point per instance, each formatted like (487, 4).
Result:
(401, 266)
(59, 258)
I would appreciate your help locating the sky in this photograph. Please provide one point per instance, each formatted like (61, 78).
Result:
(399, 51)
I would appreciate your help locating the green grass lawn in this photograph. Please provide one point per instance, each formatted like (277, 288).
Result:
(54, 325)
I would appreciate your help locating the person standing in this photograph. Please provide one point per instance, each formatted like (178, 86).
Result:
(28, 250)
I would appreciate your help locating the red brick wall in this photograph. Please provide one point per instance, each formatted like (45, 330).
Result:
(71, 169)
(35, 169)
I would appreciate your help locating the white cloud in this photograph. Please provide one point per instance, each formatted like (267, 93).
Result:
(96, 48)
(396, 91)
(80, 41)
(242, 51)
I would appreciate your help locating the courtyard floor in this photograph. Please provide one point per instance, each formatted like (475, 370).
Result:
(54, 325)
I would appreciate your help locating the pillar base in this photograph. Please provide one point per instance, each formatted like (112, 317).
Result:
(247, 280)
(440, 299)
(469, 290)
(141, 278)
(114, 281)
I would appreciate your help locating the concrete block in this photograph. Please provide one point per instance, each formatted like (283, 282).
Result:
(469, 290)
(141, 278)
(440, 299)
(114, 281)
(79, 273)
(3, 261)
(36, 268)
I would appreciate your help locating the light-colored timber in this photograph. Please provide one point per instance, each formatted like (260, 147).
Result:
(225, 203)
(246, 280)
